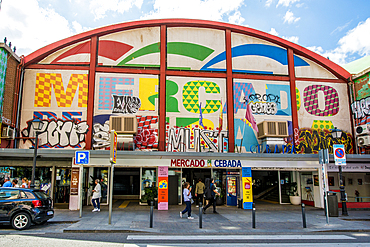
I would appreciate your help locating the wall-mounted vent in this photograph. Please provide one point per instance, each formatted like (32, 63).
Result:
(123, 124)
(272, 129)
(8, 133)
(363, 129)
(363, 140)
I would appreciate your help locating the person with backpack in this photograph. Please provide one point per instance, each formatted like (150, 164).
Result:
(210, 194)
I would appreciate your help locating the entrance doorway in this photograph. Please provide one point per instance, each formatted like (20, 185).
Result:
(126, 183)
(266, 185)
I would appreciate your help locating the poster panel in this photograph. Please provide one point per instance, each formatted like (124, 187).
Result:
(163, 188)
(247, 188)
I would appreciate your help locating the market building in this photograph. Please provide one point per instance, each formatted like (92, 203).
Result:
(181, 94)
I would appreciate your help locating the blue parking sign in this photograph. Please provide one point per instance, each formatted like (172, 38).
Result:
(82, 157)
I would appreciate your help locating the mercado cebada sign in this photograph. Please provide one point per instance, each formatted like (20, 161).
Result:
(205, 163)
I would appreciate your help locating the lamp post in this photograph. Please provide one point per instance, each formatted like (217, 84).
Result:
(37, 125)
(337, 134)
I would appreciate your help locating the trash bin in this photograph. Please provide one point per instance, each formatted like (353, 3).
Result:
(333, 204)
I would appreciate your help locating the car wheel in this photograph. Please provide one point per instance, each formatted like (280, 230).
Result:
(21, 221)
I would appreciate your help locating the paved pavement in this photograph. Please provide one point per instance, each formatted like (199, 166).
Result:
(270, 218)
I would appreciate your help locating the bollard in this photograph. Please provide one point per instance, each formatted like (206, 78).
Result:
(304, 215)
(253, 216)
(151, 215)
(200, 214)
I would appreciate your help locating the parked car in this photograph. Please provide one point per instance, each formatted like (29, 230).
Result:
(20, 207)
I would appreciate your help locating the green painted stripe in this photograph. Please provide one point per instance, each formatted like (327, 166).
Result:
(195, 51)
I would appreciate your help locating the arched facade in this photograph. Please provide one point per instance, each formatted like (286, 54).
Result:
(186, 82)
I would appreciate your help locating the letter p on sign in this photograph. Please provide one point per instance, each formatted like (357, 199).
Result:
(82, 157)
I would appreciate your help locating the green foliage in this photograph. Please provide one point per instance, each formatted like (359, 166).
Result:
(150, 194)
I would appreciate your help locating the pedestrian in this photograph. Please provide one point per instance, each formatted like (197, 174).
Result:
(15, 183)
(211, 195)
(187, 200)
(96, 196)
(7, 182)
(199, 192)
(24, 183)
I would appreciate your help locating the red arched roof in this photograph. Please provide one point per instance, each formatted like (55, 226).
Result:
(334, 68)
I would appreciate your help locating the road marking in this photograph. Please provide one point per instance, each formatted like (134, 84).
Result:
(124, 204)
(236, 237)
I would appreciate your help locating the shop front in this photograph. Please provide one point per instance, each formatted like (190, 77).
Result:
(138, 179)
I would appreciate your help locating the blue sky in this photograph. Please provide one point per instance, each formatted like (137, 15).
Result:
(338, 29)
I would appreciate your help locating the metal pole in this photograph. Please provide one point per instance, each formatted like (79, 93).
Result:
(81, 190)
(110, 193)
(200, 215)
(304, 215)
(151, 214)
(34, 160)
(253, 216)
(342, 193)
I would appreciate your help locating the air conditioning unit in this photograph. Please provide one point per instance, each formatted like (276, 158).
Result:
(363, 129)
(363, 141)
(123, 124)
(272, 129)
(8, 133)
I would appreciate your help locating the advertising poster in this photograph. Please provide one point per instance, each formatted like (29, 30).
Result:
(162, 188)
(247, 188)
(74, 181)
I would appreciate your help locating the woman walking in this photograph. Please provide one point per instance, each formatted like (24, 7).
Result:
(187, 200)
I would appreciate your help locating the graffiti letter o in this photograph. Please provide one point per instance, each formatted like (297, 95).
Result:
(311, 100)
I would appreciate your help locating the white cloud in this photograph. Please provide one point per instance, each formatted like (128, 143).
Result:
(356, 41)
(286, 3)
(293, 39)
(274, 32)
(290, 18)
(268, 3)
(236, 18)
(30, 27)
(99, 7)
(196, 9)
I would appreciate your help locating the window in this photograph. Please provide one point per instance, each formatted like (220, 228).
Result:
(41, 195)
(9, 194)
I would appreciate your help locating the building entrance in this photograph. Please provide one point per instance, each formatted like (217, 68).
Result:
(266, 185)
(126, 183)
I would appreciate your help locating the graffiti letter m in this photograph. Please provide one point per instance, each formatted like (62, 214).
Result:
(46, 81)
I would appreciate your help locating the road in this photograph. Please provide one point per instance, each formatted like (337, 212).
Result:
(32, 238)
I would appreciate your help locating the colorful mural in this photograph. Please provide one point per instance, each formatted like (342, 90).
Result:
(3, 66)
(312, 140)
(58, 133)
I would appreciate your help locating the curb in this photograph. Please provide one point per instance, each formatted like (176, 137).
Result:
(104, 231)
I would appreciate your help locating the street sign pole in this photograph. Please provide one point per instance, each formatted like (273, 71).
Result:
(324, 160)
(340, 160)
(113, 158)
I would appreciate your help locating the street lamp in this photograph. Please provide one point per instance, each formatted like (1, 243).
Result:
(37, 125)
(337, 134)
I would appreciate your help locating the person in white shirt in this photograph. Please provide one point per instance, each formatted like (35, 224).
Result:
(187, 200)
(96, 196)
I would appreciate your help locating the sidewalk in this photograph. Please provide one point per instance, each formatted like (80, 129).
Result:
(270, 218)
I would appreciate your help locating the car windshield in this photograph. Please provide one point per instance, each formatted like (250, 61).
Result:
(41, 195)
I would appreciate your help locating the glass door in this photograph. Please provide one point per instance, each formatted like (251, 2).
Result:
(62, 185)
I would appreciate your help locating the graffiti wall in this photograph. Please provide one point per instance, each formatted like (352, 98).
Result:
(361, 106)
(3, 66)
(59, 99)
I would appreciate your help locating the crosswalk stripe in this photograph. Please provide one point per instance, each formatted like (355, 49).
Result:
(236, 237)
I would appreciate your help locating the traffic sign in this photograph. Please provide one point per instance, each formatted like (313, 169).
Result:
(339, 154)
(113, 146)
(82, 157)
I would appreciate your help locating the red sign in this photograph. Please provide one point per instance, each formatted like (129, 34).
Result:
(113, 146)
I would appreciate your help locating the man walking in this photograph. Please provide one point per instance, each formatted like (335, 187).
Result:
(199, 192)
(211, 196)
(96, 196)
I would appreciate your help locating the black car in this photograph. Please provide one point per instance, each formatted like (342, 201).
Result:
(21, 207)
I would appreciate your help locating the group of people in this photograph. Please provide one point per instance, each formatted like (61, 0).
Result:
(7, 183)
(203, 191)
